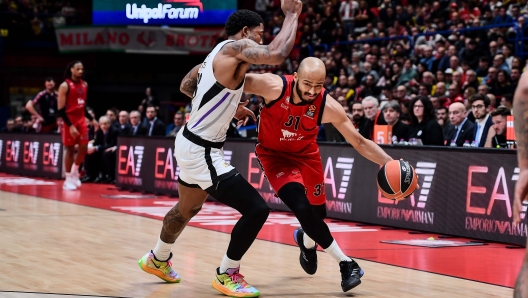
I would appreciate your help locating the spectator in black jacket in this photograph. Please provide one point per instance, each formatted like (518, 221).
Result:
(155, 126)
(461, 128)
(391, 113)
(101, 158)
(424, 126)
(363, 124)
(10, 125)
(123, 127)
(137, 128)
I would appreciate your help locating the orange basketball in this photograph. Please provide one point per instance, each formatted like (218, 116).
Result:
(397, 180)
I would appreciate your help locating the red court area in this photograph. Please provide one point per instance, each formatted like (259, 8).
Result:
(492, 263)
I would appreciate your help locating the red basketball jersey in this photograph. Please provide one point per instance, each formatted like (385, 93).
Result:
(76, 99)
(287, 127)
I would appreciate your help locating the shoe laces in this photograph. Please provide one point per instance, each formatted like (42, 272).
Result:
(238, 278)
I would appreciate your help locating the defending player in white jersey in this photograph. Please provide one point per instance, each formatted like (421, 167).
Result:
(216, 86)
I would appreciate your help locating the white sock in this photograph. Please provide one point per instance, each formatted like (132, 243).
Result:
(227, 263)
(162, 250)
(68, 175)
(336, 252)
(74, 169)
(308, 242)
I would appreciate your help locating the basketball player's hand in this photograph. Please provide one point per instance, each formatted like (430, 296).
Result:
(521, 193)
(111, 149)
(243, 113)
(291, 7)
(74, 132)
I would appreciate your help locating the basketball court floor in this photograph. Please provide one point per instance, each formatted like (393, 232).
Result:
(87, 243)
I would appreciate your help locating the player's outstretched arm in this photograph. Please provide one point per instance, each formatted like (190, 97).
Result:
(190, 81)
(279, 49)
(520, 112)
(267, 85)
(334, 113)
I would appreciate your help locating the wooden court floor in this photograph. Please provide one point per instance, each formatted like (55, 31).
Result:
(61, 248)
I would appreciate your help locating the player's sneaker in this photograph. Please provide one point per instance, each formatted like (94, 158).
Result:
(68, 183)
(161, 269)
(75, 179)
(350, 275)
(232, 284)
(308, 256)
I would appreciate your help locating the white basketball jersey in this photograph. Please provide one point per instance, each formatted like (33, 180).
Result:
(213, 105)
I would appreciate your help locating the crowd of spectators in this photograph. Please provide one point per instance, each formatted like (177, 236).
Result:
(33, 18)
(449, 88)
(377, 50)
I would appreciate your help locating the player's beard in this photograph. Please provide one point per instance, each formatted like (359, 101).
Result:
(300, 94)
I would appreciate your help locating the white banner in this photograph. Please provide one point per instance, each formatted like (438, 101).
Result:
(132, 39)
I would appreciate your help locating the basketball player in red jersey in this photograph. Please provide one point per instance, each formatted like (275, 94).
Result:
(294, 108)
(520, 112)
(72, 109)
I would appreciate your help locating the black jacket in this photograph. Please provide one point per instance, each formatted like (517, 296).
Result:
(400, 130)
(466, 133)
(103, 142)
(430, 133)
(158, 129)
(124, 130)
(141, 130)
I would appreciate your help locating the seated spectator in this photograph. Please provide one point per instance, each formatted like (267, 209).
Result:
(19, 124)
(424, 126)
(391, 113)
(497, 136)
(137, 129)
(372, 111)
(363, 124)
(123, 126)
(479, 107)
(100, 160)
(460, 130)
(10, 125)
(507, 101)
(112, 116)
(443, 119)
(156, 127)
(174, 128)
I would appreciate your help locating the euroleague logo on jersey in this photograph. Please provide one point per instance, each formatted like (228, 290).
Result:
(311, 111)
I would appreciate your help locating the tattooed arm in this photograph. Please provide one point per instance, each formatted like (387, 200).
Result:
(277, 51)
(190, 81)
(520, 111)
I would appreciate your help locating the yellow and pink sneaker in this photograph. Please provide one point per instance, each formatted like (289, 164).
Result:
(161, 269)
(232, 284)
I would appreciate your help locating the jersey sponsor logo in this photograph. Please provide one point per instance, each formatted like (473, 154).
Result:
(284, 106)
(80, 101)
(287, 99)
(416, 214)
(311, 111)
(290, 136)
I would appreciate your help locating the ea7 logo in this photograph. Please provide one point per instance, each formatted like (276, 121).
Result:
(31, 152)
(425, 170)
(12, 150)
(50, 154)
(344, 164)
(130, 159)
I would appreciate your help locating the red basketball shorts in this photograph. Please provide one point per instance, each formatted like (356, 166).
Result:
(82, 128)
(305, 168)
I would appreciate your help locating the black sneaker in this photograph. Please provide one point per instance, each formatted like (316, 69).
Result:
(308, 257)
(350, 275)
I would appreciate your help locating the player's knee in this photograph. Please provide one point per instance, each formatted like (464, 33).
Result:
(320, 210)
(260, 212)
(194, 210)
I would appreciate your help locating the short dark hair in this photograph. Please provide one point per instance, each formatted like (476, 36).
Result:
(441, 108)
(49, 79)
(501, 111)
(508, 97)
(240, 19)
(482, 97)
(392, 105)
(151, 106)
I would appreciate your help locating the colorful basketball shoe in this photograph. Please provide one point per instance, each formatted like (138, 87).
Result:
(161, 269)
(350, 275)
(232, 284)
(308, 256)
